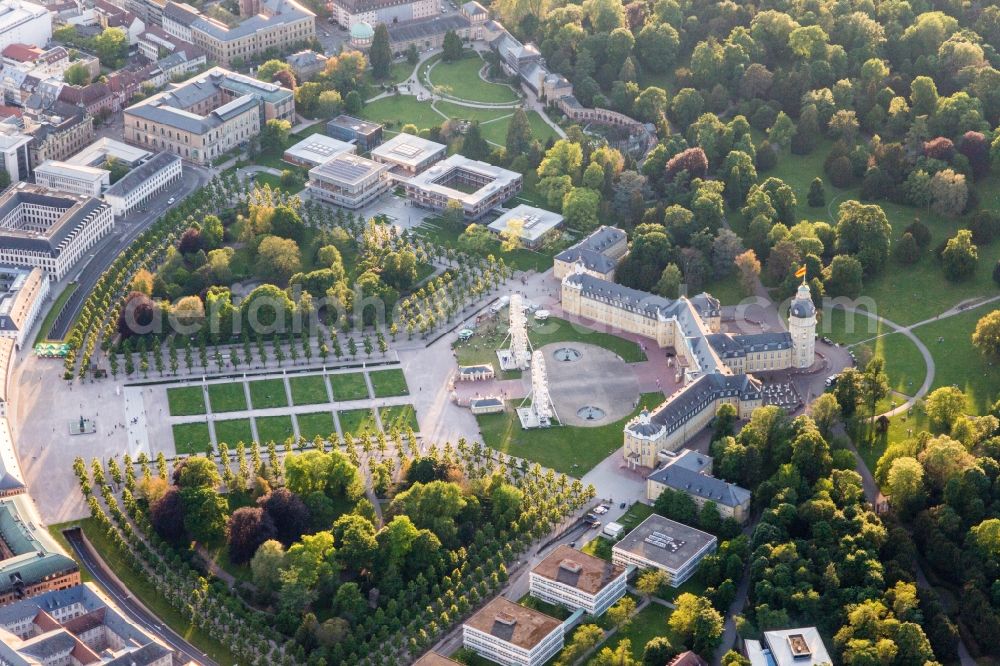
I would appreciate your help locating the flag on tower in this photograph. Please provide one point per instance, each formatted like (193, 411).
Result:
(801, 273)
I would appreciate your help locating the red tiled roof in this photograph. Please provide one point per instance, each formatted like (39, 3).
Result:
(22, 52)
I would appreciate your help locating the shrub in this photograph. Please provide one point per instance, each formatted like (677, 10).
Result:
(906, 250)
(984, 225)
(920, 232)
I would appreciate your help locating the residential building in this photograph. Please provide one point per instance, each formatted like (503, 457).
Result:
(276, 24)
(49, 230)
(24, 23)
(31, 562)
(664, 544)
(22, 292)
(306, 64)
(143, 183)
(349, 12)
(100, 151)
(348, 181)
(56, 136)
(112, 16)
(72, 178)
(15, 154)
(578, 581)
(531, 226)
(78, 625)
(788, 647)
(685, 473)
(598, 254)
(513, 635)
(316, 149)
(477, 186)
(208, 115)
(407, 154)
(362, 133)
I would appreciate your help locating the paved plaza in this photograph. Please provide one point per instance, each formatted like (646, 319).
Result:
(592, 379)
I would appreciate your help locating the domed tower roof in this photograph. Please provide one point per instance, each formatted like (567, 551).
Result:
(362, 31)
(802, 305)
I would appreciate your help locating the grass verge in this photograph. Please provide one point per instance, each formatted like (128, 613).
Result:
(349, 386)
(388, 383)
(191, 438)
(186, 400)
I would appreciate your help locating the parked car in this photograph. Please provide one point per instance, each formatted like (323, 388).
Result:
(622, 505)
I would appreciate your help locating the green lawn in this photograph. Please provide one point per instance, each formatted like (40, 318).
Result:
(398, 110)
(398, 416)
(308, 390)
(461, 79)
(647, 624)
(316, 423)
(563, 448)
(353, 421)
(228, 397)
(144, 591)
(904, 363)
(275, 182)
(50, 316)
(520, 259)
(191, 438)
(398, 72)
(233, 431)
(598, 547)
(349, 386)
(726, 289)
(601, 545)
(274, 428)
(185, 400)
(388, 383)
(560, 330)
(957, 362)
(849, 327)
(265, 393)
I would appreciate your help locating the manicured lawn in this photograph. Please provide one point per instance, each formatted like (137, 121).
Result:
(191, 438)
(398, 416)
(521, 259)
(635, 514)
(308, 390)
(316, 423)
(233, 431)
(265, 393)
(957, 362)
(274, 428)
(388, 383)
(560, 330)
(186, 400)
(849, 328)
(227, 397)
(398, 72)
(145, 592)
(461, 79)
(349, 386)
(275, 182)
(726, 289)
(50, 316)
(563, 448)
(398, 110)
(647, 624)
(598, 547)
(353, 421)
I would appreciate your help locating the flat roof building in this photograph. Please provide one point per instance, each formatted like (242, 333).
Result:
(24, 23)
(477, 186)
(364, 134)
(22, 292)
(664, 544)
(140, 185)
(531, 226)
(788, 647)
(72, 178)
(316, 149)
(408, 155)
(512, 634)
(47, 229)
(104, 148)
(31, 562)
(348, 181)
(578, 581)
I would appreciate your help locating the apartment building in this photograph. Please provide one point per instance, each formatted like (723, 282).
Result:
(664, 544)
(140, 185)
(477, 186)
(58, 134)
(511, 634)
(348, 181)
(578, 581)
(72, 178)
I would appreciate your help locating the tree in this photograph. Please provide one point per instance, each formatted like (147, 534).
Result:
(585, 637)
(653, 582)
(76, 75)
(739, 174)
(580, 207)
(906, 250)
(782, 131)
(621, 613)
(905, 481)
(518, 134)
(686, 106)
(658, 651)
(137, 315)
(274, 135)
(697, 621)
(111, 47)
(986, 535)
(749, 269)
(167, 515)
(669, 284)
(949, 193)
(268, 70)
(825, 412)
(844, 276)
(412, 55)
(204, 514)
(943, 407)
(288, 512)
(944, 459)
(817, 195)
(380, 54)
(864, 230)
(923, 96)
(657, 45)
(620, 656)
(278, 259)
(691, 160)
(651, 104)
(474, 146)
(452, 47)
(353, 103)
(249, 527)
(986, 337)
(960, 256)
(329, 103)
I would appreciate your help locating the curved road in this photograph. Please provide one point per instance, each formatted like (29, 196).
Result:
(137, 613)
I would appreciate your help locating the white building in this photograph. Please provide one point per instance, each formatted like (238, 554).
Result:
(50, 230)
(316, 149)
(103, 149)
(802, 327)
(408, 155)
(348, 181)
(349, 12)
(72, 178)
(143, 183)
(531, 226)
(578, 581)
(24, 23)
(664, 544)
(788, 647)
(24, 291)
(15, 155)
(513, 635)
(477, 186)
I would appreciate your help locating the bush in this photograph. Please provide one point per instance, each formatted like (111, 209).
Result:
(920, 232)
(996, 273)
(906, 251)
(817, 195)
(940, 148)
(985, 226)
(802, 143)
(763, 117)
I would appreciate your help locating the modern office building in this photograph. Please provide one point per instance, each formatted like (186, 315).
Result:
(99, 152)
(348, 181)
(477, 186)
(316, 149)
(144, 182)
(598, 254)
(531, 226)
(512, 634)
(407, 154)
(208, 115)
(72, 178)
(686, 474)
(31, 562)
(49, 230)
(24, 23)
(788, 647)
(15, 154)
(578, 581)
(22, 293)
(362, 133)
(664, 544)
(266, 25)
(349, 12)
